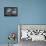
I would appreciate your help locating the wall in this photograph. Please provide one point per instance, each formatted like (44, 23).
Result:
(29, 12)
(8, 24)
(33, 12)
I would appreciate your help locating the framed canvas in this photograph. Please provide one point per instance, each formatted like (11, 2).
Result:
(10, 11)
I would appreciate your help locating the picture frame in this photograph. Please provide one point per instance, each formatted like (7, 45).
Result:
(10, 11)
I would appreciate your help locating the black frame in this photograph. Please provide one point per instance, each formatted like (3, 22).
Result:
(5, 9)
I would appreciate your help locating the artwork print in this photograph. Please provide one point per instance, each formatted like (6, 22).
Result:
(10, 11)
